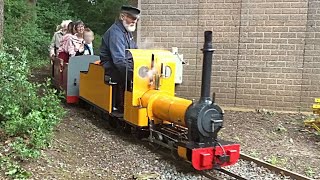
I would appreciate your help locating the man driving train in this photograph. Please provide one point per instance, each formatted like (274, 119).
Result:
(118, 62)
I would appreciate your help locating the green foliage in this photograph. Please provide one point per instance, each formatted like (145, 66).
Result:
(50, 13)
(17, 10)
(310, 172)
(22, 151)
(13, 169)
(97, 43)
(21, 33)
(274, 160)
(28, 111)
(254, 153)
(100, 15)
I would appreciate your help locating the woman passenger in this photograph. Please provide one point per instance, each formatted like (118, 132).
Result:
(70, 44)
(79, 29)
(78, 40)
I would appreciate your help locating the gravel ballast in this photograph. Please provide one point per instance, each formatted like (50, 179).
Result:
(84, 148)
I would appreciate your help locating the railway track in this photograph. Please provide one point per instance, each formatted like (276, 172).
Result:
(216, 174)
(273, 168)
(213, 176)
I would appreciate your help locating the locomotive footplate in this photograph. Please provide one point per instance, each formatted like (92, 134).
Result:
(203, 157)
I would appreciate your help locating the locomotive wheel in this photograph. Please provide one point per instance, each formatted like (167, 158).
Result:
(82, 104)
(123, 127)
(154, 146)
(174, 154)
(127, 128)
(113, 123)
(139, 134)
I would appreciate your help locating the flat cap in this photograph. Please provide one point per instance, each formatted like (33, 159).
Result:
(135, 12)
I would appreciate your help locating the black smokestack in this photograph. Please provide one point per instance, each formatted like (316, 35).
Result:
(206, 66)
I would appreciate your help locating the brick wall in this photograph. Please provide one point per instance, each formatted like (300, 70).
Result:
(271, 53)
(311, 63)
(267, 51)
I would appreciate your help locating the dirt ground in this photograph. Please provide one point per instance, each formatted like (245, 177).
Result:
(77, 150)
(278, 138)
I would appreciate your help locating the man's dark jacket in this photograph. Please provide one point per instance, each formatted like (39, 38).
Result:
(113, 54)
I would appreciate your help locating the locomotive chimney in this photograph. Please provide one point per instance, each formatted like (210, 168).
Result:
(206, 67)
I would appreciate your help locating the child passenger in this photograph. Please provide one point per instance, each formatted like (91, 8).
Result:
(55, 42)
(88, 38)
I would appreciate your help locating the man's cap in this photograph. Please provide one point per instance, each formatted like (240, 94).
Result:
(133, 11)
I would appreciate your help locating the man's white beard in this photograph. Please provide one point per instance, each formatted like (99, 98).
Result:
(129, 27)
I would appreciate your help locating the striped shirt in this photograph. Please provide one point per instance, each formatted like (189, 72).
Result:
(70, 44)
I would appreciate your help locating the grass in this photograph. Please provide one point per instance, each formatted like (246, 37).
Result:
(276, 161)
(310, 172)
(254, 153)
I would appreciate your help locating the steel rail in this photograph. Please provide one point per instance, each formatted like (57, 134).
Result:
(207, 175)
(222, 170)
(273, 168)
(229, 173)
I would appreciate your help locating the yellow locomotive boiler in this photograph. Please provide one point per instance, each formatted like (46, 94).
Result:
(188, 128)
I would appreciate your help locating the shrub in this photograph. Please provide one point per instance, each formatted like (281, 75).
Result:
(50, 13)
(22, 33)
(12, 169)
(97, 43)
(28, 111)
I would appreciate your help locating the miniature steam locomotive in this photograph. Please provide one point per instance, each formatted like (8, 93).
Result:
(188, 128)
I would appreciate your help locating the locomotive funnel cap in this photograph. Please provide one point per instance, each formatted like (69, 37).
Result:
(133, 11)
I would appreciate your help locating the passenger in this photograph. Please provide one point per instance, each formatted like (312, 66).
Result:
(64, 48)
(113, 55)
(58, 28)
(88, 38)
(55, 42)
(79, 29)
(78, 39)
(70, 44)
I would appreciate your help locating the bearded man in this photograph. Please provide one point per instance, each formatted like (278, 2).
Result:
(118, 62)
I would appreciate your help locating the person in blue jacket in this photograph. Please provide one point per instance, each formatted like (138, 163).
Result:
(117, 61)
